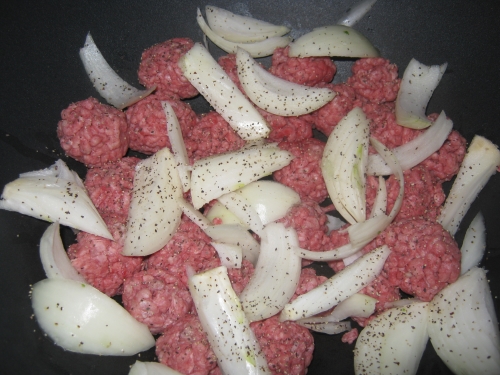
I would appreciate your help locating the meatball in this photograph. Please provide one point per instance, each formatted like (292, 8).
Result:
(308, 281)
(93, 133)
(240, 277)
(288, 128)
(159, 66)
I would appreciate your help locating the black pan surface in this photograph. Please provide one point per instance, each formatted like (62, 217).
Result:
(41, 74)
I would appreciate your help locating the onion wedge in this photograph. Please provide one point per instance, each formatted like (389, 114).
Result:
(393, 342)
(151, 368)
(228, 329)
(330, 328)
(463, 327)
(230, 255)
(79, 318)
(474, 244)
(337, 288)
(241, 29)
(333, 41)
(276, 275)
(55, 261)
(356, 13)
(208, 77)
(243, 210)
(479, 164)
(220, 213)
(54, 194)
(262, 48)
(154, 213)
(110, 86)
(276, 95)
(418, 83)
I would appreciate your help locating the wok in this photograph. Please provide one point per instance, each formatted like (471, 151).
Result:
(41, 73)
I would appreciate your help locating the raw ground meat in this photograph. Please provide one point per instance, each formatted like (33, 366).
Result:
(303, 174)
(383, 290)
(228, 64)
(287, 346)
(93, 133)
(240, 277)
(308, 281)
(350, 337)
(308, 71)
(156, 298)
(288, 128)
(211, 135)
(148, 125)
(184, 347)
(110, 186)
(159, 66)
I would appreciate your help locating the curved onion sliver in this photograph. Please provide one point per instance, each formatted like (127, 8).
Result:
(356, 13)
(474, 244)
(243, 210)
(151, 368)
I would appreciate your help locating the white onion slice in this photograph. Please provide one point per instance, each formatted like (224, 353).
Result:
(479, 164)
(110, 86)
(418, 149)
(330, 328)
(228, 329)
(393, 342)
(276, 95)
(380, 204)
(243, 210)
(338, 253)
(154, 213)
(79, 318)
(339, 287)
(343, 165)
(216, 175)
(262, 48)
(240, 29)
(54, 258)
(474, 244)
(193, 214)
(463, 327)
(356, 13)
(208, 77)
(151, 368)
(418, 83)
(276, 275)
(47, 196)
(220, 212)
(333, 41)
(230, 255)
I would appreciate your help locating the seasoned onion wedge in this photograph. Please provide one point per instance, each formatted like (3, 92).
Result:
(333, 41)
(240, 29)
(154, 213)
(151, 368)
(79, 318)
(110, 86)
(474, 244)
(223, 215)
(418, 83)
(262, 48)
(463, 327)
(276, 95)
(243, 210)
(201, 69)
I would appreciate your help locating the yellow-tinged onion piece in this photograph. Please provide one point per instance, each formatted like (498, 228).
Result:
(333, 41)
(276, 95)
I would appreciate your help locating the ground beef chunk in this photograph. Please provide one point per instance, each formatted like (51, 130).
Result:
(156, 298)
(305, 71)
(287, 346)
(308, 281)
(375, 79)
(303, 174)
(240, 277)
(228, 64)
(210, 136)
(185, 348)
(350, 336)
(110, 186)
(159, 66)
(93, 133)
(336, 239)
(331, 113)
(148, 124)
(383, 290)
(288, 128)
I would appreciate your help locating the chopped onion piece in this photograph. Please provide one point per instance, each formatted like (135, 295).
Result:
(474, 244)
(380, 204)
(243, 210)
(330, 328)
(276, 275)
(230, 255)
(412, 153)
(151, 368)
(54, 194)
(110, 86)
(333, 41)
(216, 175)
(54, 258)
(240, 29)
(418, 83)
(228, 329)
(193, 214)
(340, 252)
(154, 213)
(208, 77)
(356, 12)
(393, 342)
(333, 223)
(339, 287)
(79, 318)
(479, 164)
(463, 327)
(262, 48)
(276, 95)
(343, 165)
(219, 212)
(178, 146)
